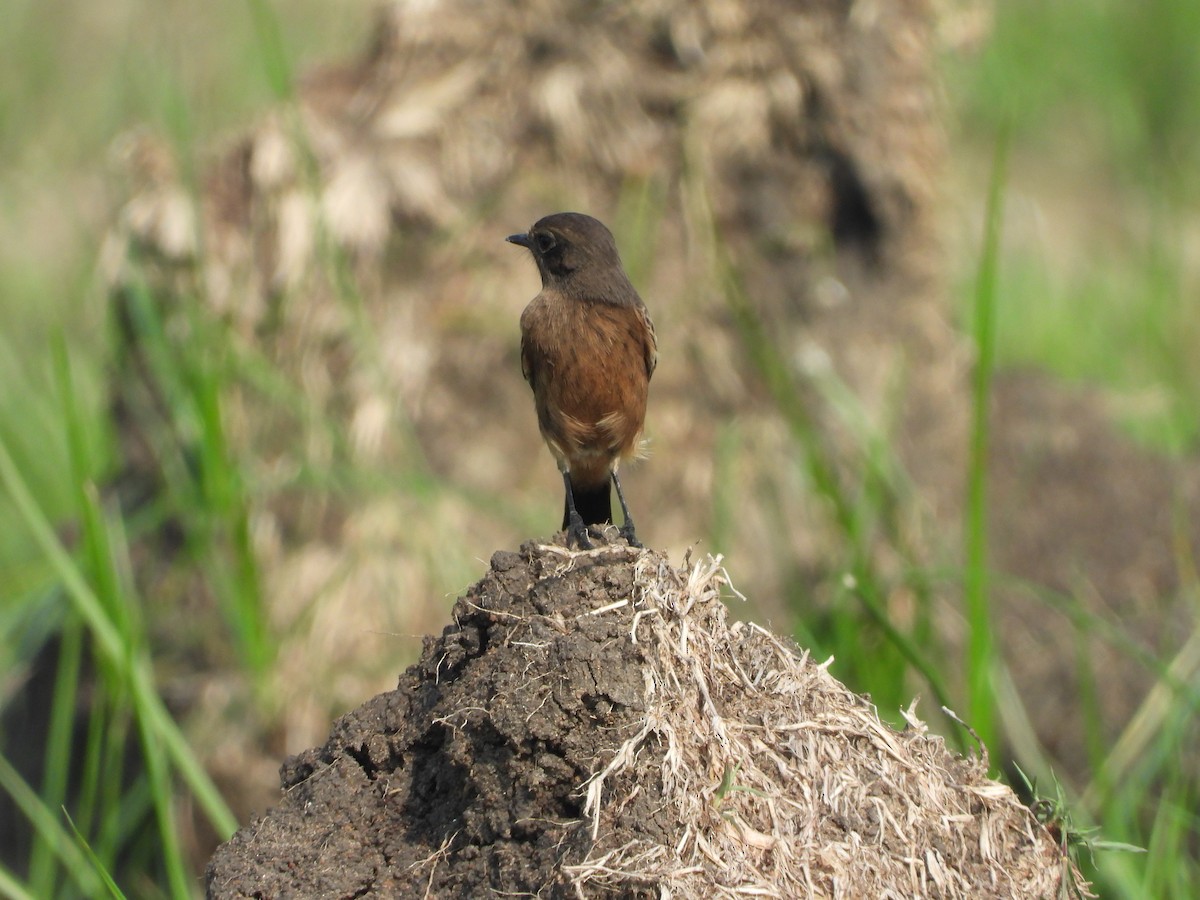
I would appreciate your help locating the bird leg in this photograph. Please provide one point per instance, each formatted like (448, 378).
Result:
(576, 530)
(627, 530)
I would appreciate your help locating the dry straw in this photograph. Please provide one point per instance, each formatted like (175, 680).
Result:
(782, 782)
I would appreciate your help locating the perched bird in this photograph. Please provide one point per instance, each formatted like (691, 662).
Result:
(588, 350)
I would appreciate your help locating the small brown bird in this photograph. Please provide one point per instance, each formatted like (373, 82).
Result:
(588, 350)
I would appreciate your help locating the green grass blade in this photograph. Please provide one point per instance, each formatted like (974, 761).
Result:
(980, 650)
(170, 851)
(100, 757)
(47, 828)
(60, 738)
(97, 549)
(110, 645)
(224, 500)
(271, 46)
(724, 493)
(13, 889)
(97, 866)
(59, 741)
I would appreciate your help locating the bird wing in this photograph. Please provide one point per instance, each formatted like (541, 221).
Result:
(526, 360)
(650, 344)
(528, 318)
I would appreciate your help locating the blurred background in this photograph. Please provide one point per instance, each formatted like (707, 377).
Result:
(924, 277)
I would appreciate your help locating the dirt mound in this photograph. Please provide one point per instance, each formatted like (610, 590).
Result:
(592, 724)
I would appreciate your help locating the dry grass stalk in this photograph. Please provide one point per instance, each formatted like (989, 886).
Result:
(784, 783)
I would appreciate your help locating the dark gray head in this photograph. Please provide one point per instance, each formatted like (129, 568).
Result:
(577, 255)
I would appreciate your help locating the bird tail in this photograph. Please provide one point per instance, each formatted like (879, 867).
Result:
(593, 504)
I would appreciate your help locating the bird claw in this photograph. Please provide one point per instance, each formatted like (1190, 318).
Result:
(626, 531)
(577, 534)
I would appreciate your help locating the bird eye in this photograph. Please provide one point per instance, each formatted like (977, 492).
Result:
(545, 241)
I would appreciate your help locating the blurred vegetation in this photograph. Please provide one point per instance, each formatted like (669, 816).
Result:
(1101, 277)
(1090, 278)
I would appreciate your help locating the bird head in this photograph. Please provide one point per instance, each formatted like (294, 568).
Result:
(570, 247)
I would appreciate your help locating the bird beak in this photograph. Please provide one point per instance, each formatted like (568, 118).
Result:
(522, 239)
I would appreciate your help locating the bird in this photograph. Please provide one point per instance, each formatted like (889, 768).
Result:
(588, 351)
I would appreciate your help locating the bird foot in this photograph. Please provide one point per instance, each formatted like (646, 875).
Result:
(626, 531)
(577, 534)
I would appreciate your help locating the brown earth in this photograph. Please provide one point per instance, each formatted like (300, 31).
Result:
(1094, 542)
(590, 724)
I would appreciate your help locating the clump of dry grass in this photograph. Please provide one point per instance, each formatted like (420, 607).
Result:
(782, 782)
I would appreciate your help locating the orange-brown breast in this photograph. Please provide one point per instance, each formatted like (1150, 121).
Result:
(589, 365)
